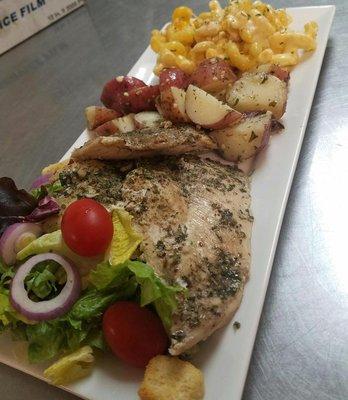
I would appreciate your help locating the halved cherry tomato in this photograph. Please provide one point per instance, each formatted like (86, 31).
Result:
(135, 334)
(87, 227)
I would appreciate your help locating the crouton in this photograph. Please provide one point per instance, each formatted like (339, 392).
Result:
(169, 378)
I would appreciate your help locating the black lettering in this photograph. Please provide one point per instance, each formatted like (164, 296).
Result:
(41, 3)
(13, 16)
(6, 21)
(22, 10)
(33, 8)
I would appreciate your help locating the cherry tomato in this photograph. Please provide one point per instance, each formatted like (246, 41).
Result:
(87, 227)
(135, 334)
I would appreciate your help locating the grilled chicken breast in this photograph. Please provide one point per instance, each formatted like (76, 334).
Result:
(146, 143)
(195, 219)
(194, 216)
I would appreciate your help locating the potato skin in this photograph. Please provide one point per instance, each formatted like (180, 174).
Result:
(96, 116)
(116, 87)
(170, 77)
(245, 139)
(213, 75)
(281, 73)
(172, 104)
(140, 99)
(107, 129)
(126, 94)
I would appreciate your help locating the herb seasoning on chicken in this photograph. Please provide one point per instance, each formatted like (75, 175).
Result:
(195, 219)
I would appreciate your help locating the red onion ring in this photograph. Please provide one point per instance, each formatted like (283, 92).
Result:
(40, 180)
(12, 236)
(47, 309)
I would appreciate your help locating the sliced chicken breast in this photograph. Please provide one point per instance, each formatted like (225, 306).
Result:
(194, 215)
(146, 143)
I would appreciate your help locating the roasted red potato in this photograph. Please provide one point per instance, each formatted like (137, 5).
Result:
(258, 91)
(147, 119)
(173, 77)
(207, 111)
(116, 87)
(213, 75)
(97, 116)
(279, 72)
(140, 99)
(172, 104)
(122, 124)
(244, 139)
(107, 129)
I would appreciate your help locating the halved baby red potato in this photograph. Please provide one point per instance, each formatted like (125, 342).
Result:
(126, 94)
(130, 122)
(276, 70)
(123, 124)
(213, 75)
(107, 129)
(207, 111)
(244, 139)
(171, 103)
(118, 85)
(170, 77)
(258, 91)
(96, 116)
(147, 119)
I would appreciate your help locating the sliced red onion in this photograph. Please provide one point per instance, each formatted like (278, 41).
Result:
(47, 309)
(46, 207)
(41, 180)
(15, 237)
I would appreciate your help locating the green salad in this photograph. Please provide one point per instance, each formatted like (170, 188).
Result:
(82, 288)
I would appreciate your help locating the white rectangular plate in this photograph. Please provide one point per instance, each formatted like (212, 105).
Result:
(224, 358)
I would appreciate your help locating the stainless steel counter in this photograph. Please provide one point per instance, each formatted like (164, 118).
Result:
(301, 351)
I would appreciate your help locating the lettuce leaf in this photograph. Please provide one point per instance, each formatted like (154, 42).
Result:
(71, 367)
(125, 240)
(53, 242)
(80, 326)
(4, 309)
(110, 281)
(45, 280)
(7, 314)
(153, 290)
(44, 190)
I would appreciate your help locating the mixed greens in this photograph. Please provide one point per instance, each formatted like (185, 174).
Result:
(113, 276)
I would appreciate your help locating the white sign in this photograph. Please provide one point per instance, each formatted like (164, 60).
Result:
(20, 19)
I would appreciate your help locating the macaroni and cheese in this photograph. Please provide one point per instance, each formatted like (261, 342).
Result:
(245, 33)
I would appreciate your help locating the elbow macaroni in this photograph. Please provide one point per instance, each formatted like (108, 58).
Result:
(245, 33)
